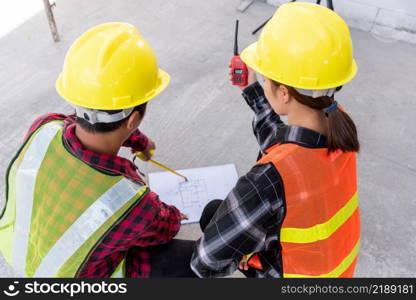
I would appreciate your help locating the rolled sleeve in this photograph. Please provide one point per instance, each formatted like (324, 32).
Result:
(255, 98)
(266, 123)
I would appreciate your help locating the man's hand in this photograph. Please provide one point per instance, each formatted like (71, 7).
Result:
(146, 152)
(183, 217)
(252, 77)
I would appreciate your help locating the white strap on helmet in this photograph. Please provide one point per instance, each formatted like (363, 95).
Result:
(94, 116)
(317, 93)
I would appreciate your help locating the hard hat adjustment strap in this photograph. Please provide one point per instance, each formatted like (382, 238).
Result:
(316, 93)
(94, 116)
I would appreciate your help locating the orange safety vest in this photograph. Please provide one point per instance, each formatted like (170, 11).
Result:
(320, 234)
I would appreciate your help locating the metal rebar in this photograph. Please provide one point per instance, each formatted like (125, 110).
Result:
(51, 20)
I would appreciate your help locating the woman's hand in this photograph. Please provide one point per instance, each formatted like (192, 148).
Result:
(243, 263)
(252, 77)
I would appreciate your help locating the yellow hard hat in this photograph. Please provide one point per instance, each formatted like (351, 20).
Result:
(305, 46)
(111, 67)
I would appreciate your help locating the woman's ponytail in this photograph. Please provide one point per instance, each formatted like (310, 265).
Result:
(342, 132)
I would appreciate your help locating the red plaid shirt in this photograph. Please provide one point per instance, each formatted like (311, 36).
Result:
(150, 222)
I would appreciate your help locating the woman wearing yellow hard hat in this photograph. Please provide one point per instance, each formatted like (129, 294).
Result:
(295, 213)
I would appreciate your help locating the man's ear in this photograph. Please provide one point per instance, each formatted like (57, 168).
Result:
(134, 120)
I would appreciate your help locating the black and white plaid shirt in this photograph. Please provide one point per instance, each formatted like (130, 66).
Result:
(249, 219)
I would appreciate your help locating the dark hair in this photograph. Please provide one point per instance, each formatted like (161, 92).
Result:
(108, 127)
(342, 132)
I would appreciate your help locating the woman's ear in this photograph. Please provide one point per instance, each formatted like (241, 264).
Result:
(134, 120)
(284, 93)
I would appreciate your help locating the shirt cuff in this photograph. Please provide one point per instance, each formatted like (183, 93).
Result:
(138, 141)
(254, 96)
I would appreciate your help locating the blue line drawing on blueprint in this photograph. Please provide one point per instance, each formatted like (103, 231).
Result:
(204, 184)
(193, 193)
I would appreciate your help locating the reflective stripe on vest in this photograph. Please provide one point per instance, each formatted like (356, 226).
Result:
(320, 234)
(96, 215)
(120, 271)
(73, 233)
(320, 231)
(338, 271)
(25, 179)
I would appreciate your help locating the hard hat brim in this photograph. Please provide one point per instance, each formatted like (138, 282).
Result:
(250, 57)
(163, 82)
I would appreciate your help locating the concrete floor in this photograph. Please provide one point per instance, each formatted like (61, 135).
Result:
(201, 120)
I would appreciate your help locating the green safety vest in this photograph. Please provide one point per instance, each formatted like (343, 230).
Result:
(58, 208)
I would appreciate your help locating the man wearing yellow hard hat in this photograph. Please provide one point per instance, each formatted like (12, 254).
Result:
(295, 213)
(74, 208)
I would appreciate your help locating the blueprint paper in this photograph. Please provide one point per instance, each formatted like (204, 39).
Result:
(204, 184)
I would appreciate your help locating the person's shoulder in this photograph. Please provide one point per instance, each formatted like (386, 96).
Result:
(263, 172)
(48, 117)
(262, 181)
(44, 119)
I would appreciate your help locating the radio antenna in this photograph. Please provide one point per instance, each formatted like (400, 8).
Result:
(236, 38)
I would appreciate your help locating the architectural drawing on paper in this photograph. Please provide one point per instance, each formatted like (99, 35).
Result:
(203, 185)
(193, 192)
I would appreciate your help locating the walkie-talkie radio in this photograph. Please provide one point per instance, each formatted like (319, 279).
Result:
(239, 70)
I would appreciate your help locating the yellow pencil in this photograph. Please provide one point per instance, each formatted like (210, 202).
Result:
(141, 156)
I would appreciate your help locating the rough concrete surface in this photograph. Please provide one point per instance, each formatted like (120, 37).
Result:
(201, 120)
